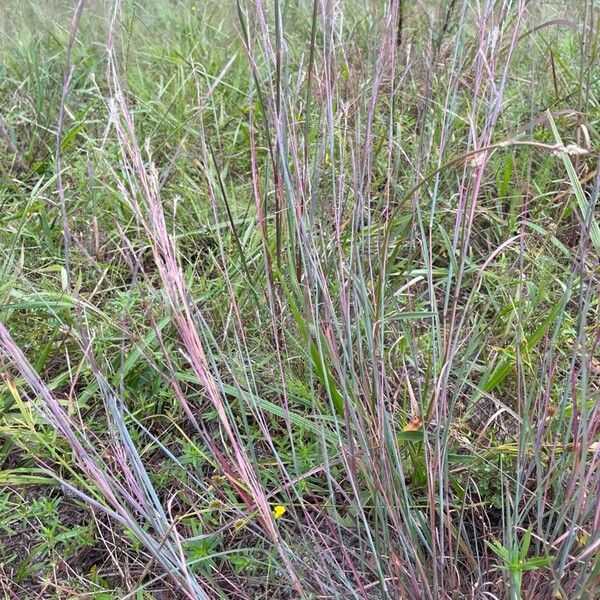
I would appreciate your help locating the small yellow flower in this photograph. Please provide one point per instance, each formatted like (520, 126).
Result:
(279, 510)
(583, 538)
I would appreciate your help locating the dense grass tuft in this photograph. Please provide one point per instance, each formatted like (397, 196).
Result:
(299, 299)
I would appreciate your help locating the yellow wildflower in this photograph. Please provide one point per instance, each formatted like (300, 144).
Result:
(279, 510)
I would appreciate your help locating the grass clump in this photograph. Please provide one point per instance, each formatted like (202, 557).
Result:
(299, 300)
